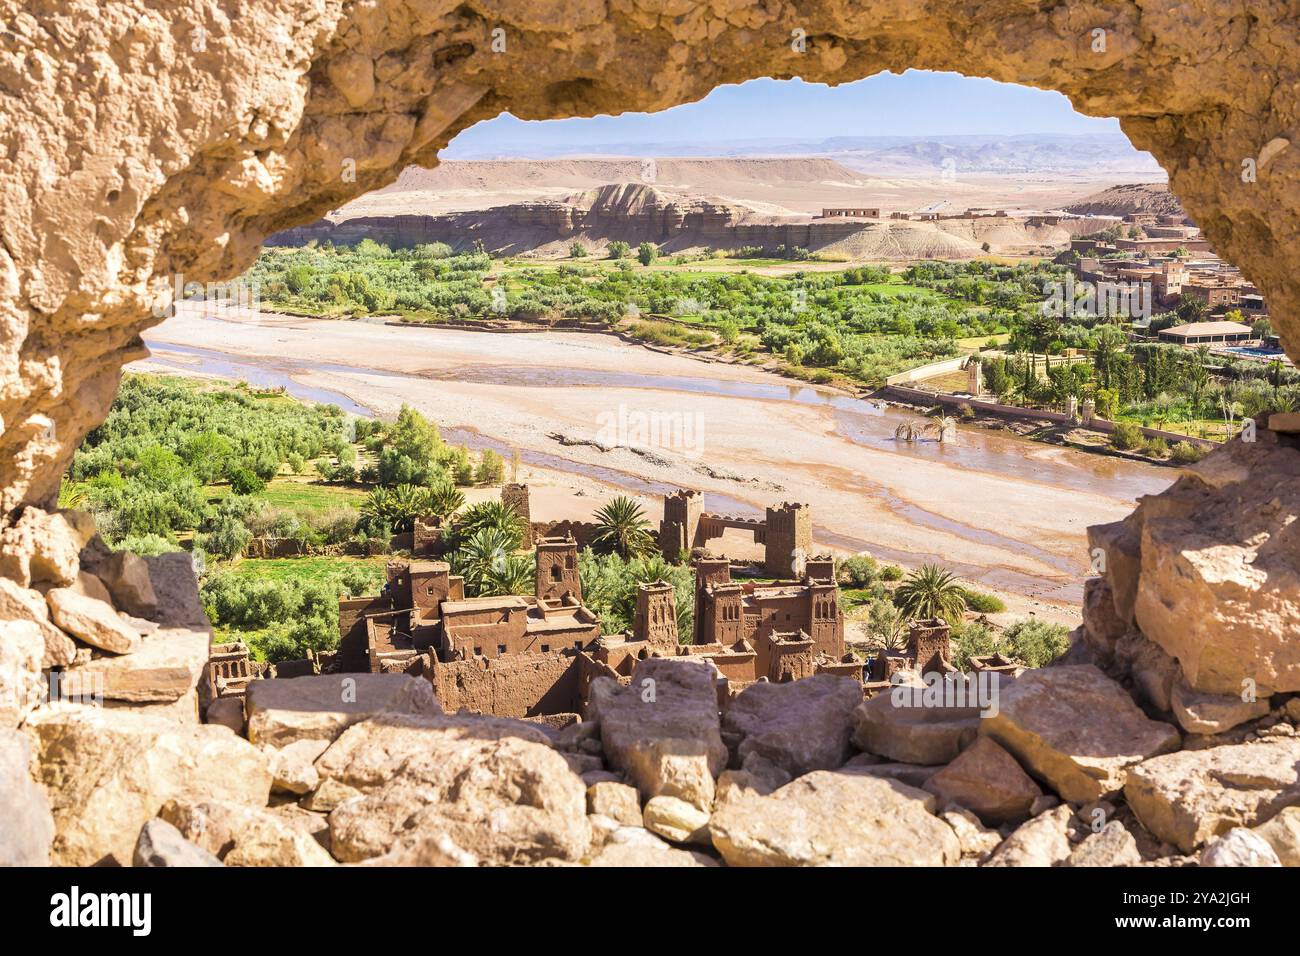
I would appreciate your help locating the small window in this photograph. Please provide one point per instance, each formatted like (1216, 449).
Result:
(568, 561)
(478, 651)
(557, 572)
(501, 648)
(546, 648)
(577, 645)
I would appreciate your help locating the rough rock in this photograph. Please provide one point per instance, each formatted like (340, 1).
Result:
(676, 820)
(42, 548)
(23, 604)
(913, 734)
(1102, 625)
(914, 775)
(109, 771)
(977, 841)
(161, 844)
(126, 576)
(1152, 672)
(430, 849)
(91, 621)
(1239, 847)
(226, 712)
(1201, 713)
(241, 835)
(1040, 842)
(617, 801)
(1118, 546)
(293, 766)
(320, 708)
(1113, 845)
(329, 795)
(834, 818)
(1220, 586)
(639, 855)
(22, 648)
(800, 726)
(662, 730)
(1282, 833)
(1076, 729)
(26, 827)
(89, 585)
(165, 666)
(1190, 797)
(986, 780)
(494, 786)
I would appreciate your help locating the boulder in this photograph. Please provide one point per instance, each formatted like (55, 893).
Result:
(1102, 625)
(226, 712)
(293, 766)
(1282, 833)
(1239, 847)
(890, 726)
(1221, 570)
(495, 787)
(107, 772)
(1190, 797)
(834, 818)
(642, 855)
(800, 726)
(1113, 845)
(617, 801)
(91, 621)
(161, 844)
(241, 835)
(1076, 729)
(165, 666)
(26, 826)
(914, 775)
(281, 711)
(1201, 713)
(676, 820)
(22, 648)
(1152, 671)
(662, 730)
(42, 547)
(986, 780)
(126, 576)
(1118, 545)
(976, 840)
(1043, 841)
(89, 585)
(23, 604)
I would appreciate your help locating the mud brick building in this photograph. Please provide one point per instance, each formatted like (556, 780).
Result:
(785, 531)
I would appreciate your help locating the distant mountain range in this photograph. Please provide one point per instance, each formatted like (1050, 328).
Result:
(1022, 153)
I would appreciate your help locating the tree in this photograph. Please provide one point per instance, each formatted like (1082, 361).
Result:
(513, 575)
(618, 249)
(481, 555)
(885, 625)
(647, 252)
(931, 592)
(909, 431)
(495, 515)
(577, 251)
(622, 528)
(444, 499)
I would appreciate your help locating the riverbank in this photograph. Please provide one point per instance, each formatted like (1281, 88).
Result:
(1006, 514)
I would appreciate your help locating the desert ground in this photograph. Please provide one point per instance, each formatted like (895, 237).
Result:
(783, 186)
(1007, 514)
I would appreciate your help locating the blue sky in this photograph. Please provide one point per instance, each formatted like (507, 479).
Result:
(915, 103)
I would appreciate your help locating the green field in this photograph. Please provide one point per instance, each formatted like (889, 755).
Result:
(301, 569)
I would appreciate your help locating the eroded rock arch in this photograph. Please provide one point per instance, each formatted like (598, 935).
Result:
(145, 141)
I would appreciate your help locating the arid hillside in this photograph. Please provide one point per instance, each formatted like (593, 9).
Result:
(1153, 198)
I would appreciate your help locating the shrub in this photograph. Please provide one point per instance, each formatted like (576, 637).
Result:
(972, 640)
(1185, 453)
(983, 603)
(1037, 643)
(1128, 435)
(1156, 447)
(859, 570)
(891, 572)
(244, 481)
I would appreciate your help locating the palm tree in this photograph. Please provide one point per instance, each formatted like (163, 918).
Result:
(909, 431)
(444, 499)
(621, 527)
(943, 425)
(485, 552)
(511, 574)
(495, 515)
(931, 591)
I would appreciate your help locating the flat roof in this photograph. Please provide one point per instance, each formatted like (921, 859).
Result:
(1206, 328)
(479, 603)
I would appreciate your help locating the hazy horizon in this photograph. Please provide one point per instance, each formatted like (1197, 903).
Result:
(783, 114)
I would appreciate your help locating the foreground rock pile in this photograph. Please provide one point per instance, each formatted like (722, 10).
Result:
(1131, 751)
